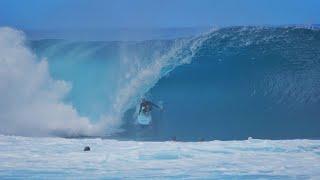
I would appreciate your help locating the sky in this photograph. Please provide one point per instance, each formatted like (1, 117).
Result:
(73, 14)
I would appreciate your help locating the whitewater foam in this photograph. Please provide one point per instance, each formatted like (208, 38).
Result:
(31, 101)
(24, 157)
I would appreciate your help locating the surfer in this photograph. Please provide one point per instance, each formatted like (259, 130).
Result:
(146, 106)
(144, 117)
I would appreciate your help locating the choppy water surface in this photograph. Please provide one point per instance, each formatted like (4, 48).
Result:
(38, 158)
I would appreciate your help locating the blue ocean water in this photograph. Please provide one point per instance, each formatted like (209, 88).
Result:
(229, 83)
(235, 83)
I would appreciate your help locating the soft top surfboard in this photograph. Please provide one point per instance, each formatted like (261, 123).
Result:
(144, 118)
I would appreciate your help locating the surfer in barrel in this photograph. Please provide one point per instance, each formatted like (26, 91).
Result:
(144, 116)
(146, 106)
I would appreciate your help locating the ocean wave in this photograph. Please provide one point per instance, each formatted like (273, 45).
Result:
(229, 83)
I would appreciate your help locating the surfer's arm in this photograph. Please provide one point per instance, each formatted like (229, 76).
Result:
(140, 109)
(154, 105)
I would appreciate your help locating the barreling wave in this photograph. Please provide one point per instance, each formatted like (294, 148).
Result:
(107, 78)
(261, 82)
(230, 83)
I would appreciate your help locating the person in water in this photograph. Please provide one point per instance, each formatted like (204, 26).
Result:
(144, 120)
(146, 106)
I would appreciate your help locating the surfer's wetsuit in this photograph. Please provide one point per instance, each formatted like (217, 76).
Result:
(146, 108)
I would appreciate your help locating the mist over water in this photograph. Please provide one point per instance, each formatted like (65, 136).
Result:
(31, 101)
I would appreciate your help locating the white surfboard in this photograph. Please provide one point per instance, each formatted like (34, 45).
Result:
(144, 118)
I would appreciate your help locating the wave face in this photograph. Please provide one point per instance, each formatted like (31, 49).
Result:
(242, 82)
(108, 78)
(231, 83)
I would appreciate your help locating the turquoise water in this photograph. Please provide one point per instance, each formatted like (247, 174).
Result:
(230, 83)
